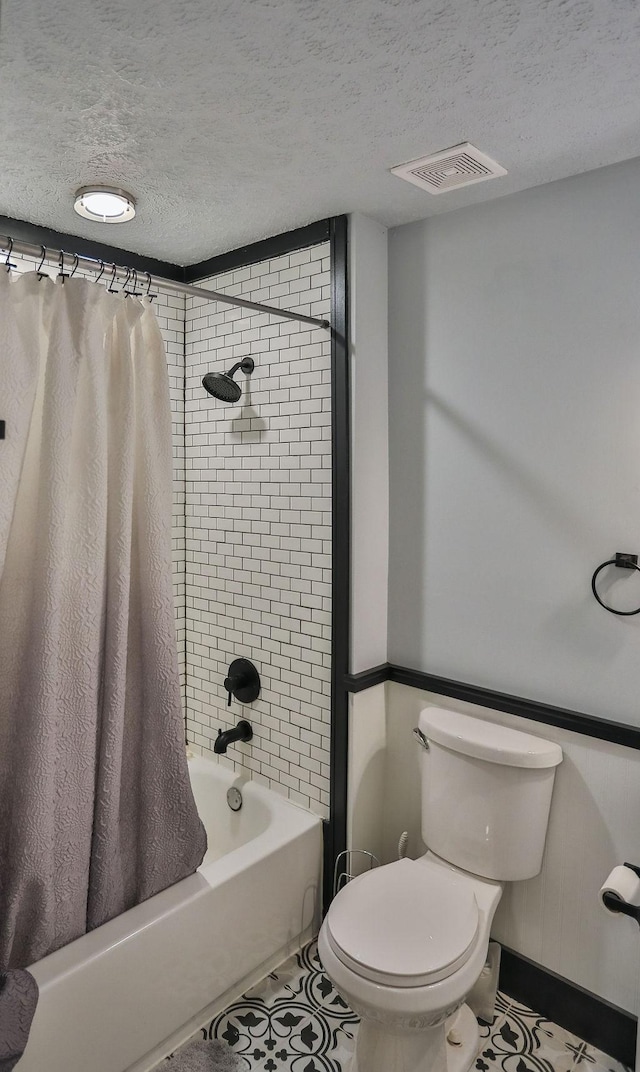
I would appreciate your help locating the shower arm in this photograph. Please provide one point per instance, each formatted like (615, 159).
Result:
(238, 365)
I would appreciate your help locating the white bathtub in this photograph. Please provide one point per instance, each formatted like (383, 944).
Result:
(121, 997)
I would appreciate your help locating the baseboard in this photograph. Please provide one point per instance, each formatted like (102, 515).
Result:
(598, 1022)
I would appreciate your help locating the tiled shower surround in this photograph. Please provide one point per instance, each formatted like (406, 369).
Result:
(258, 523)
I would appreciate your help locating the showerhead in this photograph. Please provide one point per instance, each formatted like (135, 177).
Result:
(222, 385)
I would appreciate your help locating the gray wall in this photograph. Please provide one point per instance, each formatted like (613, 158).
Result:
(514, 357)
(368, 287)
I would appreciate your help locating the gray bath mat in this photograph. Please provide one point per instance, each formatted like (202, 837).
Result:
(203, 1056)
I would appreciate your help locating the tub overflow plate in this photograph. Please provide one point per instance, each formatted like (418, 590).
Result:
(234, 798)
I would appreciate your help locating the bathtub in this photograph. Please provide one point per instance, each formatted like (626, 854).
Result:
(123, 996)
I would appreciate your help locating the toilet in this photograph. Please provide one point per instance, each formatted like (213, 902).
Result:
(405, 943)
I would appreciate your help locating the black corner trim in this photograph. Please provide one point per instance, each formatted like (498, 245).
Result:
(366, 679)
(264, 250)
(591, 1018)
(44, 236)
(336, 832)
(602, 729)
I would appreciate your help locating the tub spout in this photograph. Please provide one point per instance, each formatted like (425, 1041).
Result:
(241, 732)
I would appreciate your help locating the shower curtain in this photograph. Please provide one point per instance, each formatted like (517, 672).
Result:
(96, 811)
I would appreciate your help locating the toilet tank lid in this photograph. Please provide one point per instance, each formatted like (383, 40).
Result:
(487, 740)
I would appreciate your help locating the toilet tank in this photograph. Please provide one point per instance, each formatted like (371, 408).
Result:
(486, 794)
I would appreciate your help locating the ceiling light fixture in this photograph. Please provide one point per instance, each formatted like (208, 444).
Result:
(104, 204)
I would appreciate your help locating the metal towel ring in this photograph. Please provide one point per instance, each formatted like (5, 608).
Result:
(623, 561)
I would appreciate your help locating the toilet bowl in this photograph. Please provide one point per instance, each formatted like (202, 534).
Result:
(404, 944)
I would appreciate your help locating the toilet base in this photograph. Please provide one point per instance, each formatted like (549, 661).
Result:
(379, 1049)
(460, 1058)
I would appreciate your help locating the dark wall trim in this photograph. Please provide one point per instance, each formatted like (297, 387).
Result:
(44, 236)
(310, 235)
(366, 679)
(336, 831)
(602, 729)
(593, 1019)
(276, 246)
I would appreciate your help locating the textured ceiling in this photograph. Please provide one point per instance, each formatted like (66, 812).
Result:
(231, 120)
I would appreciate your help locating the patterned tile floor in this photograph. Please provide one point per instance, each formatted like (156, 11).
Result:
(294, 1021)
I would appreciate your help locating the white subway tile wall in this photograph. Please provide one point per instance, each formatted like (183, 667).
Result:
(170, 311)
(258, 524)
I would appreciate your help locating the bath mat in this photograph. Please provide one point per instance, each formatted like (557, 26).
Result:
(203, 1056)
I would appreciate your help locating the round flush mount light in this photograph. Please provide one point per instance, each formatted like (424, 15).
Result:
(104, 204)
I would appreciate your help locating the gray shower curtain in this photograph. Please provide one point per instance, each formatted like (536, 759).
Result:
(96, 811)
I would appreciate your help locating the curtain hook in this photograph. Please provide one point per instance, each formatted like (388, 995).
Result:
(111, 288)
(40, 273)
(126, 282)
(76, 262)
(101, 272)
(150, 296)
(61, 272)
(138, 293)
(7, 263)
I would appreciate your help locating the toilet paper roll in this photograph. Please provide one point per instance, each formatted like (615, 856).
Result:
(625, 884)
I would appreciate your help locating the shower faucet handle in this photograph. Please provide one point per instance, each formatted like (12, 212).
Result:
(242, 681)
(233, 682)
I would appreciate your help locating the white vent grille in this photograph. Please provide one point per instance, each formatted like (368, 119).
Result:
(461, 165)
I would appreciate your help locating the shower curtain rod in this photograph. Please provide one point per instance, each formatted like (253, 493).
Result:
(158, 282)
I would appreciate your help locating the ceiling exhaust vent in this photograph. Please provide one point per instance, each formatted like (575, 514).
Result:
(461, 165)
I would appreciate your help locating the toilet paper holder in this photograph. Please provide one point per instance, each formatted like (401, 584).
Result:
(616, 904)
(346, 863)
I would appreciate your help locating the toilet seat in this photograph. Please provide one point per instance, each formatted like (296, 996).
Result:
(405, 924)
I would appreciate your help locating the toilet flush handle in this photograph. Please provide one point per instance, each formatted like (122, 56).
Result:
(421, 739)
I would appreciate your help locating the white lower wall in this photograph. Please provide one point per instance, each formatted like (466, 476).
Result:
(367, 759)
(555, 919)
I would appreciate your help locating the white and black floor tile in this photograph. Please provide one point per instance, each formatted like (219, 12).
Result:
(520, 1040)
(294, 1021)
